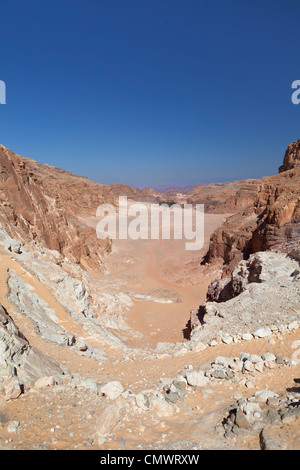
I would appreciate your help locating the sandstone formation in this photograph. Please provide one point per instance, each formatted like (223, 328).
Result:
(291, 157)
(41, 203)
(270, 222)
(219, 198)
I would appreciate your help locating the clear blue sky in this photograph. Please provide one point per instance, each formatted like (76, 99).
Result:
(151, 92)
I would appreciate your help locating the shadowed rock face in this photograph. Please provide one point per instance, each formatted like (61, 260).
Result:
(41, 203)
(271, 222)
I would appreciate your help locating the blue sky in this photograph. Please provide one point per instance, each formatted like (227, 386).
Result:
(151, 92)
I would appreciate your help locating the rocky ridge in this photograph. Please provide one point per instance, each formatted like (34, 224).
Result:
(270, 222)
(44, 205)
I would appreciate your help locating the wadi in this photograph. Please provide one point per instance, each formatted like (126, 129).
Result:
(138, 343)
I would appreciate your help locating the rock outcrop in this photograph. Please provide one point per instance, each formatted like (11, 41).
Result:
(292, 157)
(263, 290)
(271, 222)
(42, 203)
(19, 362)
(224, 198)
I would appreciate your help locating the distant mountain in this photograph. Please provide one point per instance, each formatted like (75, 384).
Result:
(174, 188)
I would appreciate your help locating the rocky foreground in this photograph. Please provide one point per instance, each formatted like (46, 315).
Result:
(70, 375)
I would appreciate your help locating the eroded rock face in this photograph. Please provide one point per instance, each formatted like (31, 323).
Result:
(271, 222)
(224, 198)
(43, 318)
(292, 157)
(41, 203)
(18, 359)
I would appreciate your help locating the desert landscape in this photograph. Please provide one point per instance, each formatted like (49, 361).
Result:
(149, 230)
(142, 344)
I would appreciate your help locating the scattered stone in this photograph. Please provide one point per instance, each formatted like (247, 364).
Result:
(240, 419)
(13, 426)
(271, 441)
(142, 401)
(247, 336)
(196, 379)
(290, 415)
(248, 366)
(273, 416)
(219, 374)
(245, 356)
(226, 338)
(161, 406)
(263, 332)
(255, 359)
(259, 366)
(249, 384)
(270, 365)
(293, 325)
(107, 420)
(198, 346)
(283, 360)
(179, 388)
(101, 440)
(13, 390)
(264, 395)
(44, 382)
(112, 390)
(273, 402)
(171, 397)
(268, 357)
(250, 408)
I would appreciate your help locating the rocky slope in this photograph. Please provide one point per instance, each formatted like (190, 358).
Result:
(136, 194)
(40, 203)
(44, 204)
(218, 198)
(264, 290)
(233, 385)
(270, 222)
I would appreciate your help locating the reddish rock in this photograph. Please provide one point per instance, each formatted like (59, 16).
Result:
(292, 157)
(43, 204)
(271, 222)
